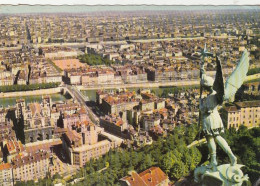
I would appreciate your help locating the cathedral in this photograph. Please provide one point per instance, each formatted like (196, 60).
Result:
(36, 119)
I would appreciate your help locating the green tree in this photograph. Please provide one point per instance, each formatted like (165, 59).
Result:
(196, 157)
(56, 176)
(147, 162)
(253, 71)
(178, 170)
(167, 162)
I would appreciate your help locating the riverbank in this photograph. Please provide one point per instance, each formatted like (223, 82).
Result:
(31, 92)
(154, 84)
(141, 85)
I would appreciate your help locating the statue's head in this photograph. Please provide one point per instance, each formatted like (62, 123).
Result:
(206, 81)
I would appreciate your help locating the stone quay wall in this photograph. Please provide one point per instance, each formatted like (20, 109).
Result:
(31, 92)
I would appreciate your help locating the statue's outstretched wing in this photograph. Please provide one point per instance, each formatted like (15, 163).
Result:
(237, 77)
(218, 85)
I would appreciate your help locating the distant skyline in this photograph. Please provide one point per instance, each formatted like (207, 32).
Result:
(20, 9)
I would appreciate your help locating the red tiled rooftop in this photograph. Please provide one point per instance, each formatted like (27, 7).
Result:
(73, 135)
(21, 160)
(16, 146)
(86, 123)
(150, 177)
(5, 166)
(44, 146)
(231, 109)
(153, 176)
(134, 179)
(248, 104)
(119, 122)
(82, 111)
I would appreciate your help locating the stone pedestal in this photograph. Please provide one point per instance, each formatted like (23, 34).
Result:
(224, 175)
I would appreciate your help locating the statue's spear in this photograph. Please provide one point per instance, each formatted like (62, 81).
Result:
(204, 53)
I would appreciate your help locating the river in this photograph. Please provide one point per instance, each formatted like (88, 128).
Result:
(156, 90)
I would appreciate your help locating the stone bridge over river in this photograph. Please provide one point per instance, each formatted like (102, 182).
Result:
(81, 99)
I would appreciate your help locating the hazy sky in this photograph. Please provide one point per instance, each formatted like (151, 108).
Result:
(132, 2)
(11, 9)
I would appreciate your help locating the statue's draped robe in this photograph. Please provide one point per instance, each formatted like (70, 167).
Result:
(211, 121)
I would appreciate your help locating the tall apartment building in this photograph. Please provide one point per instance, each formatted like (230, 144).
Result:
(12, 148)
(6, 177)
(114, 124)
(117, 104)
(243, 113)
(81, 144)
(31, 167)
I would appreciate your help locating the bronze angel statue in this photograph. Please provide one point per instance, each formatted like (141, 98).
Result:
(217, 93)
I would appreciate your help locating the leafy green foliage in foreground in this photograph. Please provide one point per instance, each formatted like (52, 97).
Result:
(94, 59)
(170, 154)
(15, 88)
(245, 143)
(173, 157)
(253, 71)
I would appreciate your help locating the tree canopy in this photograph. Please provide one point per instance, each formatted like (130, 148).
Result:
(15, 88)
(170, 154)
(253, 71)
(94, 59)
